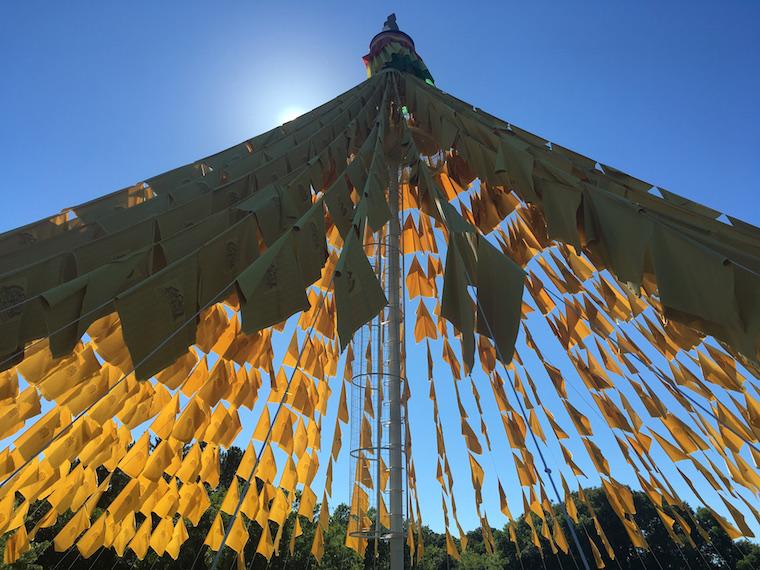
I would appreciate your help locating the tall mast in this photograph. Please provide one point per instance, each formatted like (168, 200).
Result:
(388, 366)
(393, 294)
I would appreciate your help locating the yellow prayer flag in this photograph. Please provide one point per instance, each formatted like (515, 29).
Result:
(231, 498)
(238, 536)
(191, 465)
(451, 547)
(16, 545)
(267, 469)
(161, 536)
(289, 477)
(282, 431)
(215, 534)
(318, 546)
(343, 406)
(124, 533)
(597, 555)
(291, 356)
(424, 326)
(164, 422)
(209, 472)
(308, 502)
(141, 540)
(157, 461)
(69, 533)
(559, 537)
(178, 538)
(94, 538)
(581, 422)
(193, 416)
(247, 462)
(265, 546)
(597, 457)
(504, 506)
(262, 427)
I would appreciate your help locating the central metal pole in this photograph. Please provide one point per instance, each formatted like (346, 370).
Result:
(394, 370)
(379, 378)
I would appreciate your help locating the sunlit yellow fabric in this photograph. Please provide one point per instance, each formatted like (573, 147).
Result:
(266, 545)
(16, 545)
(69, 533)
(603, 254)
(238, 536)
(178, 538)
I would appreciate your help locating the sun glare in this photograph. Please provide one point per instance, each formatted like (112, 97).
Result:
(289, 113)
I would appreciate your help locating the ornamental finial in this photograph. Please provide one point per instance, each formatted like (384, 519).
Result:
(390, 24)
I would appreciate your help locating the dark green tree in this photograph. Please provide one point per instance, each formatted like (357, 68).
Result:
(696, 551)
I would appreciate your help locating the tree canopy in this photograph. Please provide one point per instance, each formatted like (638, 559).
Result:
(720, 552)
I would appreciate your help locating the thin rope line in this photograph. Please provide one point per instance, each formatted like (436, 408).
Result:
(102, 550)
(122, 379)
(37, 341)
(547, 470)
(265, 442)
(64, 557)
(672, 385)
(617, 327)
(341, 100)
(576, 478)
(56, 331)
(78, 556)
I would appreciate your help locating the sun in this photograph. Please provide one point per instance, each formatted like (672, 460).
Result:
(289, 113)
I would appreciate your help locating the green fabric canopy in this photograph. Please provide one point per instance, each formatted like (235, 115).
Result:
(178, 240)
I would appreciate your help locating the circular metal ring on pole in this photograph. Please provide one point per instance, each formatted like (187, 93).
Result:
(354, 452)
(383, 244)
(386, 423)
(371, 534)
(383, 374)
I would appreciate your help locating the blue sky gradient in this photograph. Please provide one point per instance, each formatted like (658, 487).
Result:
(98, 97)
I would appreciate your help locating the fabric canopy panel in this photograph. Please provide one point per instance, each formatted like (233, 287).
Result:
(158, 305)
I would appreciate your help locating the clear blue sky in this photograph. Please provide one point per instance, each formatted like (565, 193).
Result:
(96, 97)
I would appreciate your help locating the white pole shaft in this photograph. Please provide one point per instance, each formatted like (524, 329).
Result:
(394, 371)
(378, 400)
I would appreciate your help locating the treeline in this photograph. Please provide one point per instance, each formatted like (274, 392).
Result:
(720, 552)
